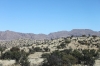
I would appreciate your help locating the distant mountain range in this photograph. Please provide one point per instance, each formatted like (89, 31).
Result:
(11, 35)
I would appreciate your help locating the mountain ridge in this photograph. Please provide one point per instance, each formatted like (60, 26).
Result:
(11, 35)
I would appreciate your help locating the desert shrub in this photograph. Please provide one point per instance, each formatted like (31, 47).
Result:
(31, 51)
(46, 55)
(46, 49)
(37, 49)
(11, 55)
(14, 54)
(83, 42)
(69, 57)
(24, 61)
(58, 58)
(16, 49)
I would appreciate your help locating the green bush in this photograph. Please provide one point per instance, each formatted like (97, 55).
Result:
(37, 49)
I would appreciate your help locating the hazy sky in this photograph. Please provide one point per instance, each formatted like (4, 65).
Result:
(45, 16)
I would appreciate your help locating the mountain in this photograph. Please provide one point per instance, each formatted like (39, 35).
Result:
(11, 35)
(79, 32)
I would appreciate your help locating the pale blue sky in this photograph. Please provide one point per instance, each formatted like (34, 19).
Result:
(45, 16)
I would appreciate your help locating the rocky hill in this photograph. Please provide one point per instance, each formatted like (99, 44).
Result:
(39, 50)
(11, 35)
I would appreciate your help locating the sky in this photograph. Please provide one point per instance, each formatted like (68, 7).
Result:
(45, 16)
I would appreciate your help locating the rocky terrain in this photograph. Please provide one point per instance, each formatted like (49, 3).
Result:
(36, 48)
(11, 35)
